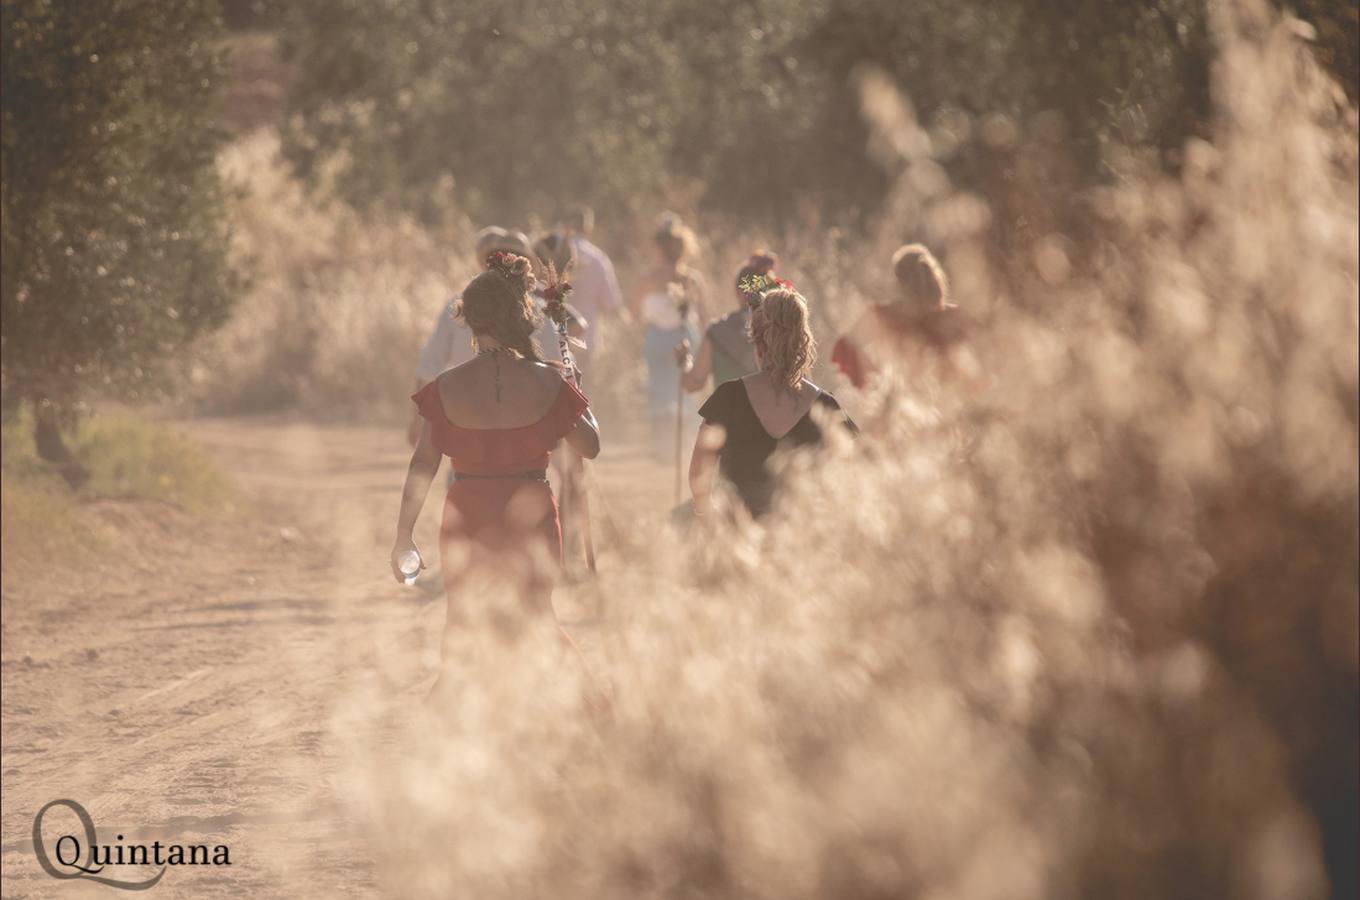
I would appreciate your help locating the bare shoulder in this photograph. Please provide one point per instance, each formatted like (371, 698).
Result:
(446, 382)
(548, 377)
(459, 372)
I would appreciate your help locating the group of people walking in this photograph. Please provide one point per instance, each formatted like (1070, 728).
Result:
(500, 392)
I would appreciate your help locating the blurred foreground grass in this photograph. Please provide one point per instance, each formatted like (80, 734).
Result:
(1089, 631)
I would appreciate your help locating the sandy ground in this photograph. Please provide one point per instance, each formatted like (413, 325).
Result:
(185, 691)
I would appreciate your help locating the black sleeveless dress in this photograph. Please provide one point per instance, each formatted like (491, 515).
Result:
(744, 456)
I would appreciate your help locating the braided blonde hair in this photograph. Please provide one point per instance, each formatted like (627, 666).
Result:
(782, 334)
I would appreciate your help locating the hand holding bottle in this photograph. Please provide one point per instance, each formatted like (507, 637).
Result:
(406, 560)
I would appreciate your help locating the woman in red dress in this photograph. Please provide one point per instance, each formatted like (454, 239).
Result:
(922, 330)
(497, 417)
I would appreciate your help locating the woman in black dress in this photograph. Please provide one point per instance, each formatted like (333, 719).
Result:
(747, 419)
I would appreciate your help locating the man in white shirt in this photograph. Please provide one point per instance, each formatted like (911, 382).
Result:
(596, 288)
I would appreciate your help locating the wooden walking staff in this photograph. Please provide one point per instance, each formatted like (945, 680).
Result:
(556, 307)
(680, 295)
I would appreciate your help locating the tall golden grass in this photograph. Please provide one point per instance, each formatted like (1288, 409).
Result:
(338, 304)
(1089, 632)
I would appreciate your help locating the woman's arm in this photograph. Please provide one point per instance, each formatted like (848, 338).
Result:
(850, 355)
(702, 462)
(700, 366)
(577, 323)
(697, 289)
(417, 420)
(419, 474)
(585, 437)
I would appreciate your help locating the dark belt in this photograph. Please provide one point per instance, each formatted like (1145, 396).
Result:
(537, 475)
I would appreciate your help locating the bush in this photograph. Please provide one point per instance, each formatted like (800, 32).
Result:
(113, 239)
(338, 305)
(514, 110)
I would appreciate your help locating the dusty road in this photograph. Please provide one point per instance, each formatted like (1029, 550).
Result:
(187, 691)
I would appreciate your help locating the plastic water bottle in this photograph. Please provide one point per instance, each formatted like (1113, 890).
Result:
(409, 565)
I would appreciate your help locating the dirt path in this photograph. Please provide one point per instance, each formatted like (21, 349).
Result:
(188, 695)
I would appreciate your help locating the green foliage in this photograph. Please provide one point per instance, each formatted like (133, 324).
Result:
(39, 510)
(524, 106)
(128, 458)
(47, 523)
(114, 243)
(131, 459)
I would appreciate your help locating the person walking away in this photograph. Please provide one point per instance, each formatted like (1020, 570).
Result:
(496, 417)
(748, 420)
(596, 291)
(450, 341)
(920, 334)
(671, 296)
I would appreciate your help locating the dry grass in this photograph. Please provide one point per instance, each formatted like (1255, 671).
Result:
(338, 305)
(1090, 632)
(50, 527)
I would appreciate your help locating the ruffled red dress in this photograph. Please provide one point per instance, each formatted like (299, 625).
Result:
(886, 326)
(502, 525)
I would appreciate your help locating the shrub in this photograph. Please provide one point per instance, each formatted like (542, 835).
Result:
(113, 239)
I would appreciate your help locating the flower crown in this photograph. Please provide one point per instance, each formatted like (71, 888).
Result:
(512, 265)
(755, 285)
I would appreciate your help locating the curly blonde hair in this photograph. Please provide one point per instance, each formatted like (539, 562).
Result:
(497, 304)
(782, 334)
